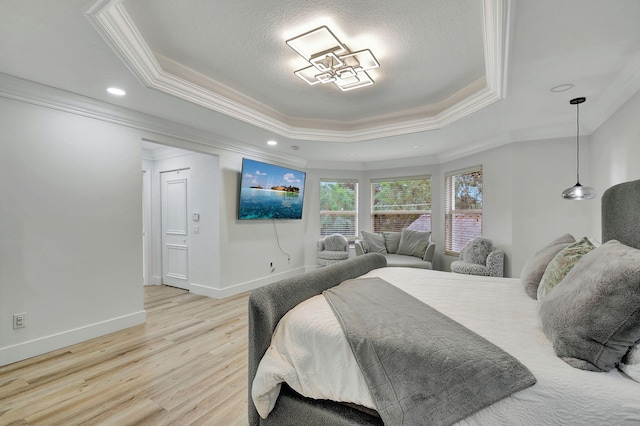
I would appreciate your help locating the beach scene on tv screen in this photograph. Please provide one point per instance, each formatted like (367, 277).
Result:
(270, 192)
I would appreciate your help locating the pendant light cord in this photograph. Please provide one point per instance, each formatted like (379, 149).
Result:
(578, 142)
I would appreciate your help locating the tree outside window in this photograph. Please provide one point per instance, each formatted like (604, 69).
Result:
(463, 208)
(401, 203)
(339, 208)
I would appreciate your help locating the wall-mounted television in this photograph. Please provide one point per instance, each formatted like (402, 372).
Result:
(268, 191)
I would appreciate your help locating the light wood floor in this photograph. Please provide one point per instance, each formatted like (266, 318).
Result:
(186, 365)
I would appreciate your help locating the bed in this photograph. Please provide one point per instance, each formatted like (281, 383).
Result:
(567, 389)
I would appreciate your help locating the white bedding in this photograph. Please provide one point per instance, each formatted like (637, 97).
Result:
(310, 353)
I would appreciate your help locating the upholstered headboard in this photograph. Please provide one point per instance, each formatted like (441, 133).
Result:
(621, 213)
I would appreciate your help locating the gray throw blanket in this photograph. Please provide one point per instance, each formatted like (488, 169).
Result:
(421, 366)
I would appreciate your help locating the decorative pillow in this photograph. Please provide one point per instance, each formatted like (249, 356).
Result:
(631, 363)
(413, 243)
(476, 251)
(561, 264)
(336, 242)
(374, 243)
(392, 241)
(593, 318)
(534, 268)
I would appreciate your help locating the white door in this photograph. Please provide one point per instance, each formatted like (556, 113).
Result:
(175, 230)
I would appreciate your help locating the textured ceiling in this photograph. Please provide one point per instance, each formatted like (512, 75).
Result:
(198, 52)
(223, 68)
(426, 55)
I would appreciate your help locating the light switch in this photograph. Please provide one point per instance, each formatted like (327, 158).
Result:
(196, 229)
(196, 217)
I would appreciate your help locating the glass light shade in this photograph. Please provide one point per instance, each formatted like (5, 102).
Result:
(579, 192)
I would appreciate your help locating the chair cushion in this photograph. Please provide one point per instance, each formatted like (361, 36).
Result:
(462, 267)
(399, 260)
(333, 255)
(476, 251)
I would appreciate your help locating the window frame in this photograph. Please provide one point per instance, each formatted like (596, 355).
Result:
(374, 212)
(450, 209)
(350, 237)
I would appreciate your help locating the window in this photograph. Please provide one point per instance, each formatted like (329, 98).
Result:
(401, 203)
(463, 209)
(339, 207)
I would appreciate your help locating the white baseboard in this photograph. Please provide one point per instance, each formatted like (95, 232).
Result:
(56, 341)
(312, 268)
(221, 293)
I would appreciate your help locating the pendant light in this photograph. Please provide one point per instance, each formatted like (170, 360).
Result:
(578, 192)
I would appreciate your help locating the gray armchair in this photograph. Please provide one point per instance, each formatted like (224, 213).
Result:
(479, 257)
(332, 249)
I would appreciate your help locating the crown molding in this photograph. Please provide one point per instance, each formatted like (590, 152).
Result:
(624, 86)
(155, 128)
(113, 23)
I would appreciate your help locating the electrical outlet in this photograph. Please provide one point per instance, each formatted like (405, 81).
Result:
(20, 320)
(273, 268)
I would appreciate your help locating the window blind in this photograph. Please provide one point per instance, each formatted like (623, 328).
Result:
(463, 208)
(398, 203)
(339, 207)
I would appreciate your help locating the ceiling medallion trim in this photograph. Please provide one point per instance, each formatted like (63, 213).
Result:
(111, 20)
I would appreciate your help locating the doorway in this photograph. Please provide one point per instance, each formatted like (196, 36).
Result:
(181, 223)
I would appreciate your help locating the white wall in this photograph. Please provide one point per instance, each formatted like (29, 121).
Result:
(541, 171)
(248, 247)
(70, 228)
(71, 219)
(615, 153)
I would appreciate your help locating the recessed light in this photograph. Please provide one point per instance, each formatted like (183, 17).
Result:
(352, 154)
(416, 146)
(115, 91)
(272, 143)
(562, 88)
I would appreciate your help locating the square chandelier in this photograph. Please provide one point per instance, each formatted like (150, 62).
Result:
(330, 61)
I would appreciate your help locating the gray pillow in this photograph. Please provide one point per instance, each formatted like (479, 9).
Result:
(392, 241)
(374, 243)
(413, 243)
(593, 317)
(534, 268)
(476, 251)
